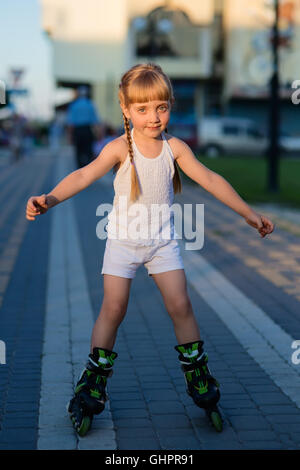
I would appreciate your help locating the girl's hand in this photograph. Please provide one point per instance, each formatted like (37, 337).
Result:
(260, 222)
(36, 205)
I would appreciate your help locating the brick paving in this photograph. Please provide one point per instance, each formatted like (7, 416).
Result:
(23, 259)
(148, 408)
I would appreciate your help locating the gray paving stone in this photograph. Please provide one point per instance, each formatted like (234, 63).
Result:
(138, 444)
(17, 434)
(237, 403)
(49, 442)
(279, 409)
(125, 395)
(286, 439)
(180, 443)
(230, 388)
(256, 435)
(263, 445)
(273, 398)
(159, 385)
(175, 432)
(244, 412)
(21, 406)
(134, 422)
(261, 388)
(249, 422)
(131, 413)
(173, 407)
(145, 378)
(206, 433)
(287, 427)
(286, 419)
(20, 445)
(161, 395)
(168, 421)
(124, 404)
(14, 423)
(131, 432)
(98, 441)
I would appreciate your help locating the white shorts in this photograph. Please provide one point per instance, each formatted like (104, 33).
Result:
(122, 259)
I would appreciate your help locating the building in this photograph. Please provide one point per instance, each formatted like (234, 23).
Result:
(216, 52)
(249, 64)
(94, 42)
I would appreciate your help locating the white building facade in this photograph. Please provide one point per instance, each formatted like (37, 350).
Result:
(95, 41)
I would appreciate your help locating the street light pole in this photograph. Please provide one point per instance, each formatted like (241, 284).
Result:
(273, 151)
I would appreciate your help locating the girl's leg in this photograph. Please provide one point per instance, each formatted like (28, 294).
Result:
(112, 312)
(173, 287)
(201, 385)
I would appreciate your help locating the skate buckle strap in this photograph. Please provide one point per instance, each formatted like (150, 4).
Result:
(192, 366)
(99, 370)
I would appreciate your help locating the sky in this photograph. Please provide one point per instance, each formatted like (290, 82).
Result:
(24, 44)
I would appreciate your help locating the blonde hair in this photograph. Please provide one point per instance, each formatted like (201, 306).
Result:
(143, 83)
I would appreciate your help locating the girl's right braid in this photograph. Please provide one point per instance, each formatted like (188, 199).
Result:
(135, 187)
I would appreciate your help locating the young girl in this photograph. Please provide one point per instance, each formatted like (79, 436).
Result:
(146, 161)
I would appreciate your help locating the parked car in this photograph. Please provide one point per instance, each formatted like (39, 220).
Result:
(240, 136)
(225, 135)
(290, 144)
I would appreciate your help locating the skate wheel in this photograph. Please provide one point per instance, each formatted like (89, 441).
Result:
(85, 426)
(216, 420)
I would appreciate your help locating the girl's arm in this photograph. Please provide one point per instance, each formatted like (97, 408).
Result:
(78, 180)
(218, 187)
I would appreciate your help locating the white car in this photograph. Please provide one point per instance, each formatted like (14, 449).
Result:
(239, 136)
(290, 144)
(226, 135)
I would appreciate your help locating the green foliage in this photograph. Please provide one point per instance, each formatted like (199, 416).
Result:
(248, 176)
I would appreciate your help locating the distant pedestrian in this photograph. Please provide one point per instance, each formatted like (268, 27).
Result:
(82, 118)
(17, 136)
(146, 161)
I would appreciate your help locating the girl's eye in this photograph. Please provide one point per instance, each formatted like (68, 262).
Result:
(163, 108)
(141, 110)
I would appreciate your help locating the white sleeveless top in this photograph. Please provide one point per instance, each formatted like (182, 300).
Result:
(148, 220)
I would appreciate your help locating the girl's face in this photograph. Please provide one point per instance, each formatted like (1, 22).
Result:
(150, 118)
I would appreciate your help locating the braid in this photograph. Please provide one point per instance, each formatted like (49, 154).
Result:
(177, 186)
(135, 187)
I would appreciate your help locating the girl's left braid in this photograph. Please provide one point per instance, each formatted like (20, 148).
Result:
(135, 187)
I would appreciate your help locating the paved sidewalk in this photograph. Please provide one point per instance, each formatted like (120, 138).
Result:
(244, 296)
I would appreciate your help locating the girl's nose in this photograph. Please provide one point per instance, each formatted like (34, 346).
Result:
(154, 117)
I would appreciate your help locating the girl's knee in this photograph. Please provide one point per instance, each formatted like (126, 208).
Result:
(113, 311)
(180, 307)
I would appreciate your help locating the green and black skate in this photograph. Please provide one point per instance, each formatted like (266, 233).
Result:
(90, 392)
(201, 385)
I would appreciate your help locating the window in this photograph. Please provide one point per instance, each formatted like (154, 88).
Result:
(229, 129)
(254, 132)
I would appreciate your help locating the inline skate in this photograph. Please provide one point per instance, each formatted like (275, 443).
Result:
(90, 392)
(201, 385)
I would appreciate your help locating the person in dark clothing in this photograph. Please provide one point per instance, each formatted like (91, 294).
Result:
(81, 118)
